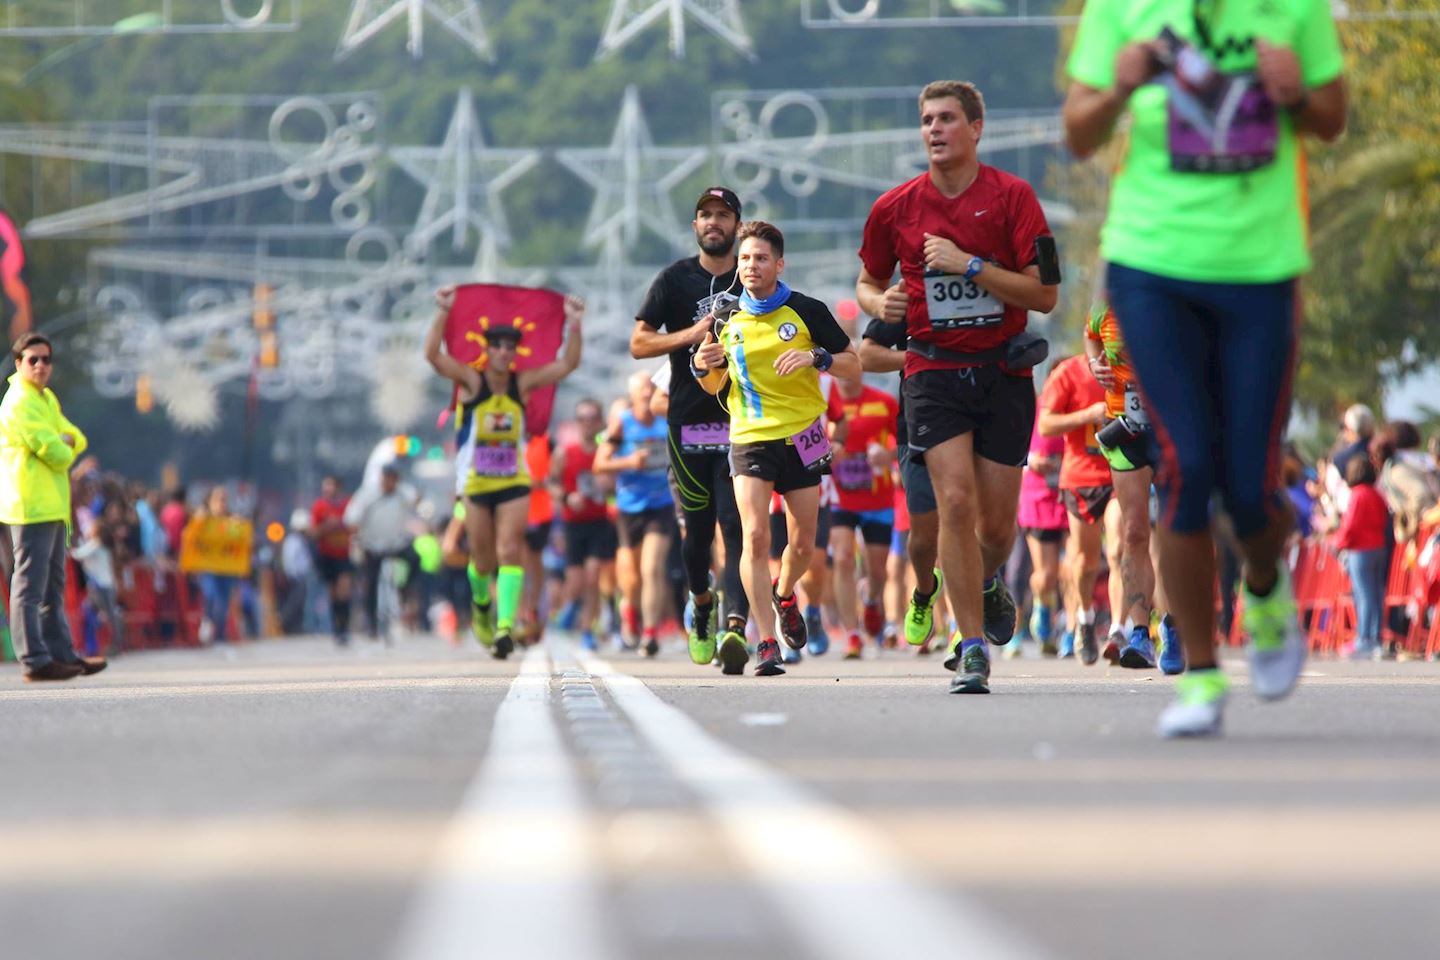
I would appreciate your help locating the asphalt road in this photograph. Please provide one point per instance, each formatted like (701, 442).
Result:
(287, 800)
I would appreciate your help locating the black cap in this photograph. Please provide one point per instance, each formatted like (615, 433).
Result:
(724, 194)
(503, 333)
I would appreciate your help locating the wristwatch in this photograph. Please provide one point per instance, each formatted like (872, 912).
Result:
(823, 358)
(972, 268)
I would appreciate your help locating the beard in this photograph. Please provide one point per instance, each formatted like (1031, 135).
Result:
(715, 246)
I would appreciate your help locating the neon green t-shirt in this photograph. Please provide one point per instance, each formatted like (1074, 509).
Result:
(1246, 227)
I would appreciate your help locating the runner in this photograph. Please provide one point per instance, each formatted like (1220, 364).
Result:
(332, 554)
(970, 241)
(680, 301)
(1126, 440)
(538, 521)
(634, 451)
(1042, 520)
(771, 354)
(589, 535)
(1205, 246)
(490, 419)
(865, 507)
(1073, 406)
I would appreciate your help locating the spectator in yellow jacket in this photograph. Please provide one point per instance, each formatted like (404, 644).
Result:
(37, 448)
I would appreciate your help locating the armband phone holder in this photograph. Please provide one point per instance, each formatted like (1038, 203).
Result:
(1048, 258)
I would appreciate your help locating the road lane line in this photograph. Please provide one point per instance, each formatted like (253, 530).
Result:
(515, 877)
(841, 886)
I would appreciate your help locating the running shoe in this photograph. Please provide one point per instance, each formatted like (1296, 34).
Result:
(1139, 653)
(1172, 652)
(790, 656)
(1199, 705)
(1113, 645)
(651, 646)
(813, 626)
(569, 616)
(1067, 645)
(818, 643)
(481, 624)
(702, 634)
(1089, 649)
(792, 623)
(1277, 649)
(952, 659)
(974, 673)
(854, 647)
(999, 613)
(874, 619)
(1014, 649)
(920, 616)
(504, 644)
(1042, 625)
(732, 653)
(587, 640)
(767, 659)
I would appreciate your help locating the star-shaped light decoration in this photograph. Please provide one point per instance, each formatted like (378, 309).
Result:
(629, 17)
(632, 179)
(463, 179)
(369, 17)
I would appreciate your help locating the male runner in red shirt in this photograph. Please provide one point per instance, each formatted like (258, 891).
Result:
(968, 240)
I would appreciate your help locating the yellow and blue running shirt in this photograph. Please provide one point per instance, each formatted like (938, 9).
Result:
(497, 440)
(764, 405)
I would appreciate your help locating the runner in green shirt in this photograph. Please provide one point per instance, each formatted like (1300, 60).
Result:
(1205, 236)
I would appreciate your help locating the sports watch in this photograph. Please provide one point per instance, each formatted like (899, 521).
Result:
(972, 268)
(823, 358)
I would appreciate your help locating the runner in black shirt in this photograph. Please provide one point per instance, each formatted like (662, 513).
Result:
(679, 303)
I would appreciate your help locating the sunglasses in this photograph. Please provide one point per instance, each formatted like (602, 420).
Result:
(36, 360)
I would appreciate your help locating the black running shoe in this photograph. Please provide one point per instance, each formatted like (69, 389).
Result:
(792, 621)
(974, 673)
(504, 644)
(652, 647)
(768, 662)
(1089, 648)
(999, 614)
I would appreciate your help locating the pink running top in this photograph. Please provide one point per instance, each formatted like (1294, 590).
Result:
(1040, 506)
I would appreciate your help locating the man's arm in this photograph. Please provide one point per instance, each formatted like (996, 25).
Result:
(1058, 424)
(875, 358)
(1022, 289)
(875, 298)
(463, 375)
(647, 342)
(34, 429)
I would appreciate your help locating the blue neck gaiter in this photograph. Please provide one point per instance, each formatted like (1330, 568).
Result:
(770, 304)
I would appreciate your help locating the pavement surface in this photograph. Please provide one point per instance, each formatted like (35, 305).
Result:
(290, 800)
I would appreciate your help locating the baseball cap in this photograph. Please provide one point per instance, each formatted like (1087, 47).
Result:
(724, 194)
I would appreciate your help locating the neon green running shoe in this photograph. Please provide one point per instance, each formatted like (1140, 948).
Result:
(482, 624)
(1199, 705)
(920, 617)
(702, 634)
(1277, 648)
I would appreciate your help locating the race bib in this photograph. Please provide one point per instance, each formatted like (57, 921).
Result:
(853, 473)
(1135, 407)
(1236, 133)
(655, 458)
(955, 303)
(587, 487)
(813, 445)
(1092, 445)
(496, 461)
(705, 437)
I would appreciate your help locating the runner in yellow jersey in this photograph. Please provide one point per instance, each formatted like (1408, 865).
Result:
(491, 420)
(771, 353)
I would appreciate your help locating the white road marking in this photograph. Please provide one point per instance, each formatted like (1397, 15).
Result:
(763, 719)
(842, 888)
(515, 877)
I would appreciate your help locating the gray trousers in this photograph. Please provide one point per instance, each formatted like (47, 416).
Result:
(38, 627)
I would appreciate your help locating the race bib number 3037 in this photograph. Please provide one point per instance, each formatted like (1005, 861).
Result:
(955, 302)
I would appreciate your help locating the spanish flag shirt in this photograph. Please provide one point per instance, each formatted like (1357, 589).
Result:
(764, 405)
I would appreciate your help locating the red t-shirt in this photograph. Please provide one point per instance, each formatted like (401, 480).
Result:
(336, 543)
(997, 218)
(577, 472)
(1070, 389)
(870, 418)
(1366, 517)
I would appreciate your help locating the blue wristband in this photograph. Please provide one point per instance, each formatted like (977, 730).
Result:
(823, 358)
